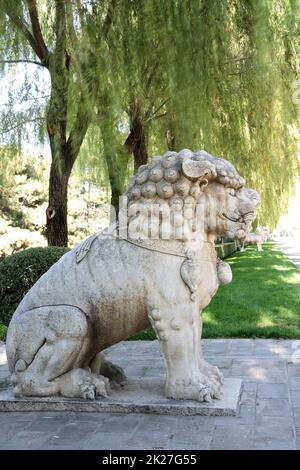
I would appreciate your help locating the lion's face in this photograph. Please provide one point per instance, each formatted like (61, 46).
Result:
(229, 211)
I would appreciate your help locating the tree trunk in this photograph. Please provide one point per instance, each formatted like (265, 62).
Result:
(115, 154)
(117, 162)
(116, 190)
(57, 210)
(64, 149)
(140, 153)
(171, 140)
(136, 142)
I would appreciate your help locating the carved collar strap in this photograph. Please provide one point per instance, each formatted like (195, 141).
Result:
(184, 252)
(188, 268)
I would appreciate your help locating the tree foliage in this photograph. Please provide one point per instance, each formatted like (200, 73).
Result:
(149, 75)
(52, 35)
(227, 68)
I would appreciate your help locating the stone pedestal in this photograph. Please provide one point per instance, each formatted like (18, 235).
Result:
(139, 395)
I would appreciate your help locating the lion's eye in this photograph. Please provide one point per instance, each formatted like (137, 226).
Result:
(231, 191)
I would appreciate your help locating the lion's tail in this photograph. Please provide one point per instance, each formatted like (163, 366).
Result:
(25, 337)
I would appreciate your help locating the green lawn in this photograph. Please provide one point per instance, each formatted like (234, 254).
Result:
(263, 299)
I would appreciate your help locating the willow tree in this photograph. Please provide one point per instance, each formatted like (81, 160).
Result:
(205, 74)
(51, 35)
(229, 68)
(146, 75)
(104, 150)
(129, 73)
(199, 74)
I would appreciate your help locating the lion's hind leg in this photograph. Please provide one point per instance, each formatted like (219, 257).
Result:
(46, 349)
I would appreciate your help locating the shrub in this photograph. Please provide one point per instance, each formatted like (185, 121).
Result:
(19, 272)
(3, 331)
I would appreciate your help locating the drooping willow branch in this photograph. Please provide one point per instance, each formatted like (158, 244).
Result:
(22, 123)
(36, 28)
(20, 61)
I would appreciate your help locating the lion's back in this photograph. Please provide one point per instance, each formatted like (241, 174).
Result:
(87, 278)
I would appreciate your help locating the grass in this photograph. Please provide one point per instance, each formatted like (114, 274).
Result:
(263, 299)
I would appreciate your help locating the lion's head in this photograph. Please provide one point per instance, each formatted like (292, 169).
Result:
(181, 195)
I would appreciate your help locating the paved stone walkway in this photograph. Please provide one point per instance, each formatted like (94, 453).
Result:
(269, 415)
(291, 247)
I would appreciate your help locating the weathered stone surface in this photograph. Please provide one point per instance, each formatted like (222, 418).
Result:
(273, 407)
(274, 427)
(295, 384)
(268, 443)
(264, 370)
(295, 397)
(158, 266)
(233, 437)
(273, 348)
(272, 390)
(141, 395)
(241, 347)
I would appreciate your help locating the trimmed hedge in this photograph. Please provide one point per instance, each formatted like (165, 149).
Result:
(226, 249)
(19, 272)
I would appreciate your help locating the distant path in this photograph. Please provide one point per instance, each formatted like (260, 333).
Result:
(291, 247)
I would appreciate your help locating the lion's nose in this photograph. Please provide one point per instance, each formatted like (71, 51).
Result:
(253, 196)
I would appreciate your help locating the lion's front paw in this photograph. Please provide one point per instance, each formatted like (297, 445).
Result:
(200, 389)
(88, 390)
(94, 386)
(212, 372)
(102, 386)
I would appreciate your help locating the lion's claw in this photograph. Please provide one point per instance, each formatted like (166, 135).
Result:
(93, 386)
(207, 397)
(202, 389)
(89, 392)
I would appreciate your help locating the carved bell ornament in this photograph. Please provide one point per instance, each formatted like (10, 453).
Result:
(224, 273)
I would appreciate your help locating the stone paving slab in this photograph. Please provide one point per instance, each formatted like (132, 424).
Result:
(269, 415)
(291, 247)
(139, 395)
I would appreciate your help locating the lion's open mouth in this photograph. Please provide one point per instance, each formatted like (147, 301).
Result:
(246, 218)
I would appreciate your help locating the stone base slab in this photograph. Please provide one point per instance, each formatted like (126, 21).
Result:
(139, 395)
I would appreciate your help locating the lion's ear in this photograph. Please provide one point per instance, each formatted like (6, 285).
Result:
(196, 169)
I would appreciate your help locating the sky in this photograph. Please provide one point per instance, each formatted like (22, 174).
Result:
(39, 85)
(290, 222)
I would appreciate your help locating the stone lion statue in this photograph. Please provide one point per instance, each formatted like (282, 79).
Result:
(257, 238)
(157, 266)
